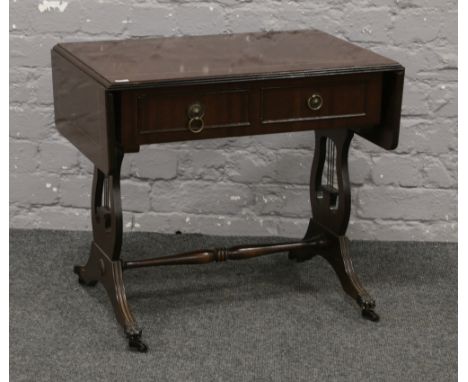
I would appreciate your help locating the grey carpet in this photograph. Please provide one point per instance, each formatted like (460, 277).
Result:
(264, 319)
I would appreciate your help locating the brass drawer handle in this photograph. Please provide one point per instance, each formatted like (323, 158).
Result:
(195, 113)
(315, 102)
(195, 125)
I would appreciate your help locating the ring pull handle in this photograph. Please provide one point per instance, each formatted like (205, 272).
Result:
(195, 125)
(195, 113)
(315, 102)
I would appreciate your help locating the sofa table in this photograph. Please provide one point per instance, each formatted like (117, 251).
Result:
(111, 97)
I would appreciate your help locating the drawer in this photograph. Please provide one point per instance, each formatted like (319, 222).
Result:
(353, 99)
(158, 115)
(168, 112)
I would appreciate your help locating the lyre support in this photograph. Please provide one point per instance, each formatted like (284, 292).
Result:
(104, 264)
(330, 197)
(331, 208)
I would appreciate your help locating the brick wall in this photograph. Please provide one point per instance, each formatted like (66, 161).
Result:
(250, 185)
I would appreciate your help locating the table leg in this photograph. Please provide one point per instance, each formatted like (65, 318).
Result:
(330, 197)
(104, 264)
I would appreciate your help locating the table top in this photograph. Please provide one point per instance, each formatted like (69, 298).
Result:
(264, 55)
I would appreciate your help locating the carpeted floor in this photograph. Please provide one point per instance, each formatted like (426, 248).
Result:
(264, 319)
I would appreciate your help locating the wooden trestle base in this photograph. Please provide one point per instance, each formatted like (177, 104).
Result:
(325, 235)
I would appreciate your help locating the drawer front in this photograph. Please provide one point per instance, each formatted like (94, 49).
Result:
(250, 108)
(168, 112)
(355, 99)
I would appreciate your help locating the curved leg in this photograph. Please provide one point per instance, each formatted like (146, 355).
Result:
(339, 258)
(104, 264)
(331, 208)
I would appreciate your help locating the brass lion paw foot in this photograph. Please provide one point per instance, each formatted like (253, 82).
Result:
(367, 309)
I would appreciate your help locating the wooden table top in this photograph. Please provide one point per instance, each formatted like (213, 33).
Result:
(140, 61)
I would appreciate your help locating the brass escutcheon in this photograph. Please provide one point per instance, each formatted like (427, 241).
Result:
(315, 102)
(195, 113)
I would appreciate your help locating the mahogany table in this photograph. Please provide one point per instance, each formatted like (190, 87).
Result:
(111, 97)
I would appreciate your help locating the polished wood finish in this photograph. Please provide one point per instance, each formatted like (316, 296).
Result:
(387, 132)
(111, 97)
(83, 111)
(220, 58)
(240, 252)
(331, 209)
(204, 65)
(165, 112)
(264, 107)
(342, 97)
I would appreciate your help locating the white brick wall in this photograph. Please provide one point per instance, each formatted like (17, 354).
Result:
(250, 185)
